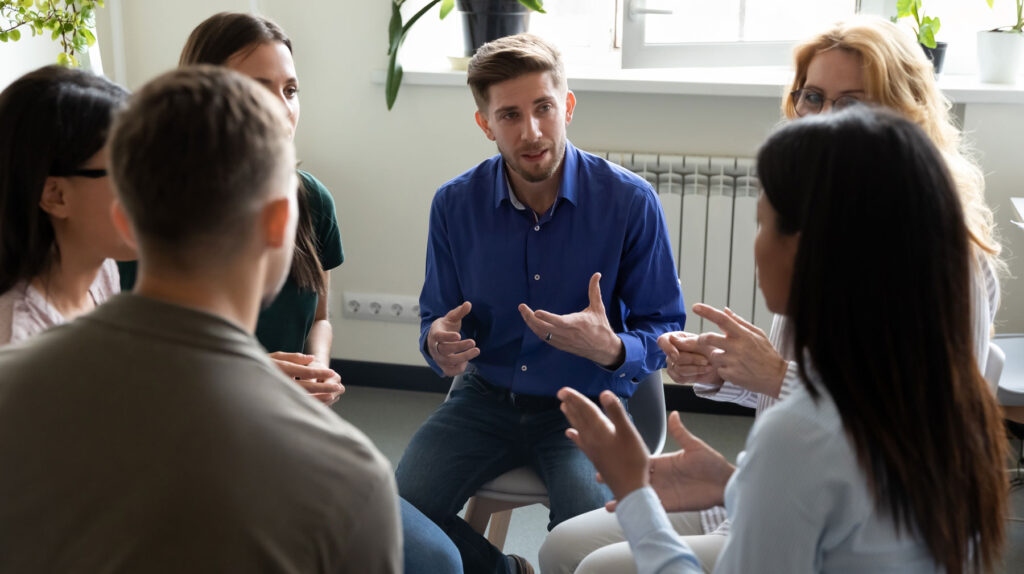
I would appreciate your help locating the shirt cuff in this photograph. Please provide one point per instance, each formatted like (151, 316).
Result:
(632, 357)
(650, 534)
(790, 380)
(426, 355)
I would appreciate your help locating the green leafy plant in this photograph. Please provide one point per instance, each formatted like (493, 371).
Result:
(1019, 26)
(926, 27)
(397, 31)
(69, 21)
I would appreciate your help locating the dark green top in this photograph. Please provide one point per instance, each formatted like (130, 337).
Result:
(285, 325)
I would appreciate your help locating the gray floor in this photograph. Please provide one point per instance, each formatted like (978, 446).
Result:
(391, 417)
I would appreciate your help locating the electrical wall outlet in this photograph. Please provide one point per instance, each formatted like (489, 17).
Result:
(381, 307)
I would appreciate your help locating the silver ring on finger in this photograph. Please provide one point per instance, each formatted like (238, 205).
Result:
(547, 337)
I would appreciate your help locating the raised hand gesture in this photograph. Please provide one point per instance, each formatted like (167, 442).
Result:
(691, 478)
(586, 333)
(611, 442)
(445, 342)
(744, 356)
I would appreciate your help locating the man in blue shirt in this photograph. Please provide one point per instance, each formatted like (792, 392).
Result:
(546, 267)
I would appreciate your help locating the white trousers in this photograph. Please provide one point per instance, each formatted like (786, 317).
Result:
(593, 543)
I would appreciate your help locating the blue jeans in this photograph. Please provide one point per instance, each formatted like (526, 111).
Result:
(427, 549)
(477, 435)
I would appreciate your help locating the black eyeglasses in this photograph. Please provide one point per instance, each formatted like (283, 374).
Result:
(807, 101)
(89, 173)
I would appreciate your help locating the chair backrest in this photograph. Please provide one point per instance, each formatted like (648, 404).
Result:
(994, 366)
(646, 406)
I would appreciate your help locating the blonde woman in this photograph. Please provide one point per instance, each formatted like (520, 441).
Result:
(861, 60)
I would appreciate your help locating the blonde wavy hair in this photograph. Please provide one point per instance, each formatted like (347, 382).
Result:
(898, 75)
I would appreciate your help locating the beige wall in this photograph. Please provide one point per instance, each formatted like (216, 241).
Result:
(383, 167)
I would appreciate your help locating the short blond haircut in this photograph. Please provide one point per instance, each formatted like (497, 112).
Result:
(898, 75)
(508, 58)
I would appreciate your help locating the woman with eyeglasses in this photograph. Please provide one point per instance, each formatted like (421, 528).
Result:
(862, 60)
(57, 241)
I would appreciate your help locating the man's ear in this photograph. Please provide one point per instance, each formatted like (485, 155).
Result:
(481, 121)
(274, 222)
(570, 105)
(122, 224)
(53, 200)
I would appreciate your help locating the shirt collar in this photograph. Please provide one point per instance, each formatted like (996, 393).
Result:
(503, 188)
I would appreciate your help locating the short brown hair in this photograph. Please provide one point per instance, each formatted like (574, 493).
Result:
(193, 157)
(510, 57)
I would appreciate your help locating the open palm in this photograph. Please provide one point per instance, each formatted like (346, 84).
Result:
(692, 478)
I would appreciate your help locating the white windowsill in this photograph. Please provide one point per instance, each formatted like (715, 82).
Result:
(741, 82)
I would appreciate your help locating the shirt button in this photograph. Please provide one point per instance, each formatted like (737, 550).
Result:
(536, 277)
(536, 228)
(523, 368)
(622, 375)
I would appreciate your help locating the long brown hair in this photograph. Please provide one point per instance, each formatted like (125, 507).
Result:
(882, 235)
(214, 41)
(54, 119)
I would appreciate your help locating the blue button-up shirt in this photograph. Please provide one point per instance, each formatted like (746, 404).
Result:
(484, 247)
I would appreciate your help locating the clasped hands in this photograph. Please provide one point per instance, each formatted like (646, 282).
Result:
(692, 478)
(742, 355)
(319, 380)
(586, 333)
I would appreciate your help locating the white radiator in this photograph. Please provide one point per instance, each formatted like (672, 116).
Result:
(710, 205)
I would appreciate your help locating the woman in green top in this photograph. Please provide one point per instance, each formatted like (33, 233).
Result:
(295, 327)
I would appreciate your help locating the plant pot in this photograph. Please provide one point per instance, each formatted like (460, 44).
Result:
(486, 20)
(937, 55)
(999, 56)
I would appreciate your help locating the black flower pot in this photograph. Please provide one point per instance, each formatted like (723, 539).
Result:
(937, 55)
(486, 20)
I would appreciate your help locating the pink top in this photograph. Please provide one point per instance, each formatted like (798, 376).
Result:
(24, 312)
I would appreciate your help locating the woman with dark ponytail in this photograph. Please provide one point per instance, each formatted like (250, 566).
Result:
(889, 454)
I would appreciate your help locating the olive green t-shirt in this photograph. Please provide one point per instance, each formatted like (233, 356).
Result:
(285, 324)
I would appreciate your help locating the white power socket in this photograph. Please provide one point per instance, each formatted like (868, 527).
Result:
(381, 307)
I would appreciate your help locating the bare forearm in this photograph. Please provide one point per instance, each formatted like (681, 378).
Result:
(318, 343)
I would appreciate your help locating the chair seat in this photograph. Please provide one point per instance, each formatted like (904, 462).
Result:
(517, 485)
(1011, 383)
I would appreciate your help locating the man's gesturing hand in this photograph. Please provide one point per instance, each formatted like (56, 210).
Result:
(586, 333)
(445, 343)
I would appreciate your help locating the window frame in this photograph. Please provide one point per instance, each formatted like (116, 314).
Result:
(637, 54)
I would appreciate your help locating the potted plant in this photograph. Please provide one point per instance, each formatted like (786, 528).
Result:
(69, 21)
(483, 21)
(925, 27)
(1000, 49)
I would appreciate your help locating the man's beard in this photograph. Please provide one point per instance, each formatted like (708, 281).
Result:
(557, 151)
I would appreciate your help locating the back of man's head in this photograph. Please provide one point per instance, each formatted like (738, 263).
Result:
(195, 157)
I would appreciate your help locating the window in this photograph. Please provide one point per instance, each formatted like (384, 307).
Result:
(693, 33)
